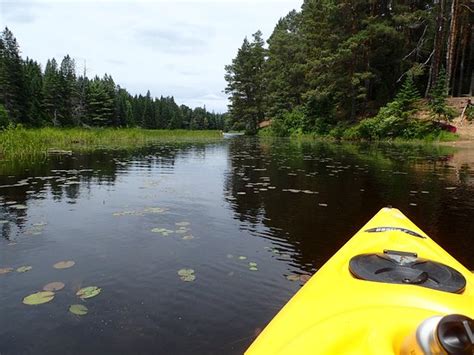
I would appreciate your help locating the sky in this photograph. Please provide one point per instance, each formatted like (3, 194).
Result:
(170, 47)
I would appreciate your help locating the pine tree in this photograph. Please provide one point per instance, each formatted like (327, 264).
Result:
(100, 104)
(52, 92)
(12, 82)
(245, 84)
(34, 92)
(284, 70)
(408, 94)
(68, 91)
(437, 98)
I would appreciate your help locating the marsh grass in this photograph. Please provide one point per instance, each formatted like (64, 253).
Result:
(22, 143)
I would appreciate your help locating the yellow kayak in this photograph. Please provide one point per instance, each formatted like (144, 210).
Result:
(376, 295)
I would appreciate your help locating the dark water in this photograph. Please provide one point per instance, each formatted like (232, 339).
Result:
(99, 209)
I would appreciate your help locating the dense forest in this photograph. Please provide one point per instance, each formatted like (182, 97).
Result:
(337, 63)
(58, 96)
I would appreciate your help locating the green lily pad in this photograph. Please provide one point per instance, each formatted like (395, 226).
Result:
(25, 268)
(252, 264)
(253, 268)
(78, 309)
(241, 257)
(88, 292)
(126, 213)
(19, 207)
(187, 275)
(163, 231)
(66, 264)
(38, 298)
(187, 237)
(5, 270)
(54, 286)
(181, 231)
(155, 210)
(182, 224)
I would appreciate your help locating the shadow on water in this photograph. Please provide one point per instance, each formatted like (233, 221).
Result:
(250, 218)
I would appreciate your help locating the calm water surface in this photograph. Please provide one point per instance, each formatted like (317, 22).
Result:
(131, 220)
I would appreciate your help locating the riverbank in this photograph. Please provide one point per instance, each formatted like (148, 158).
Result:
(21, 143)
(434, 137)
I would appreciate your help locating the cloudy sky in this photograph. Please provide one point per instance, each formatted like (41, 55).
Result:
(171, 47)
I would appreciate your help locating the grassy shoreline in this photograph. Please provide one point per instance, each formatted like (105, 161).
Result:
(20, 143)
(432, 138)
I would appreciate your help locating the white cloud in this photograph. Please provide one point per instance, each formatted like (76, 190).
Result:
(174, 47)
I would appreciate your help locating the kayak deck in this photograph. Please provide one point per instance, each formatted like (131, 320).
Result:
(337, 313)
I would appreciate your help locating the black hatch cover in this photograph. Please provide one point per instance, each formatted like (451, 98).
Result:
(398, 267)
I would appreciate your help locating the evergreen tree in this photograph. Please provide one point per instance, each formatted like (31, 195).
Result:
(284, 70)
(4, 120)
(437, 98)
(34, 92)
(245, 84)
(52, 92)
(12, 84)
(100, 104)
(68, 92)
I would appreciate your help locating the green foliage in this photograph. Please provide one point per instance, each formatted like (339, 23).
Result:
(17, 142)
(245, 84)
(3, 117)
(58, 97)
(342, 60)
(437, 100)
(292, 123)
(394, 120)
(469, 113)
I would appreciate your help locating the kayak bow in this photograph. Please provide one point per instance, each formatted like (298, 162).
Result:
(373, 294)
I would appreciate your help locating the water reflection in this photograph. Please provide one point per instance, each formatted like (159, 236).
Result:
(248, 216)
(316, 195)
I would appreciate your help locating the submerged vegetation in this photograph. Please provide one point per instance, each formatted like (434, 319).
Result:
(344, 69)
(17, 142)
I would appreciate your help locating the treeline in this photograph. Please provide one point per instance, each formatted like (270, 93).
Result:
(335, 62)
(58, 96)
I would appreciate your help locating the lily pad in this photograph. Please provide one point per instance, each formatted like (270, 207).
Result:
(163, 231)
(241, 257)
(66, 264)
(155, 210)
(253, 268)
(38, 298)
(182, 224)
(25, 268)
(252, 264)
(187, 237)
(5, 270)
(187, 275)
(78, 309)
(19, 207)
(88, 292)
(53, 286)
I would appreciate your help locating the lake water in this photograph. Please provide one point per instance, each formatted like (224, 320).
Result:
(248, 216)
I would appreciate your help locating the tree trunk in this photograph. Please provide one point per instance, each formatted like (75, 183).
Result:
(464, 45)
(437, 48)
(452, 39)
